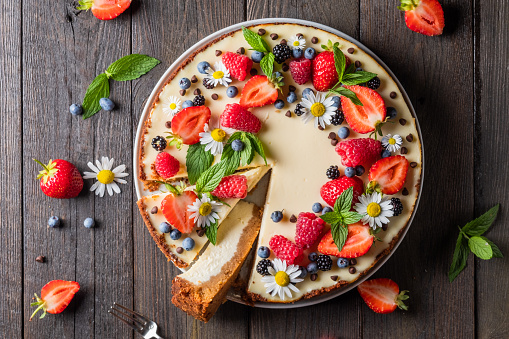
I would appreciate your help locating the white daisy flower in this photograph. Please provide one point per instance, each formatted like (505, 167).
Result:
(374, 209)
(214, 140)
(297, 42)
(172, 107)
(107, 178)
(282, 279)
(392, 142)
(218, 75)
(318, 107)
(204, 211)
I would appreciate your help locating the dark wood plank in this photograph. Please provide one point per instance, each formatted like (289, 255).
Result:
(433, 70)
(491, 179)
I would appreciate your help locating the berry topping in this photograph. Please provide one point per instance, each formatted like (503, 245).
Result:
(382, 295)
(189, 123)
(313, 256)
(238, 65)
(263, 266)
(277, 216)
(238, 145)
(184, 83)
(374, 83)
(237, 117)
(333, 189)
(299, 110)
(310, 53)
(165, 227)
(300, 70)
(208, 84)
(257, 92)
(343, 262)
(350, 172)
(297, 53)
(105, 9)
(308, 229)
(424, 16)
(174, 209)
(203, 66)
(291, 98)
(199, 100)
(397, 206)
(317, 207)
(232, 186)
(312, 268)
(386, 153)
(358, 242)
(359, 170)
(333, 172)
(166, 165)
(286, 250)
(60, 179)
(366, 118)
(159, 143)
(264, 252)
(187, 103)
(282, 52)
(389, 174)
(175, 234)
(326, 209)
(257, 56)
(279, 104)
(343, 133)
(188, 244)
(55, 296)
(338, 118)
(324, 262)
(232, 91)
(361, 151)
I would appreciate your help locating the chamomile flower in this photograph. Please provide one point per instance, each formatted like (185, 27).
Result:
(318, 107)
(204, 211)
(172, 107)
(282, 279)
(392, 142)
(215, 139)
(218, 75)
(297, 42)
(374, 209)
(107, 178)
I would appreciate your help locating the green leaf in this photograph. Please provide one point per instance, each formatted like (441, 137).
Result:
(496, 251)
(131, 67)
(344, 201)
(459, 259)
(197, 161)
(348, 94)
(255, 41)
(480, 225)
(339, 61)
(331, 218)
(231, 164)
(357, 78)
(171, 189)
(211, 233)
(480, 247)
(349, 69)
(257, 145)
(351, 217)
(267, 64)
(339, 234)
(99, 88)
(247, 154)
(209, 179)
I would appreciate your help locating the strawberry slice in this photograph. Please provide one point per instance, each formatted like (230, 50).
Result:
(424, 16)
(389, 174)
(174, 208)
(364, 119)
(189, 123)
(55, 296)
(258, 92)
(105, 9)
(382, 295)
(358, 242)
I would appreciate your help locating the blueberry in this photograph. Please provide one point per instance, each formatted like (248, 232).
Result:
(232, 91)
(350, 172)
(203, 66)
(310, 53)
(303, 272)
(391, 112)
(89, 223)
(164, 227)
(343, 262)
(106, 104)
(317, 207)
(278, 74)
(336, 100)
(188, 244)
(187, 103)
(257, 56)
(359, 170)
(279, 104)
(306, 92)
(237, 145)
(297, 53)
(175, 234)
(326, 209)
(343, 132)
(76, 109)
(291, 98)
(264, 252)
(184, 83)
(313, 256)
(54, 221)
(358, 69)
(277, 216)
(386, 153)
(312, 268)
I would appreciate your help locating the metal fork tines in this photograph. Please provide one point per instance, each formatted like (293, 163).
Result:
(146, 327)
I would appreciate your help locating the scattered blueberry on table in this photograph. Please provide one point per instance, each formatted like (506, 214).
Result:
(106, 104)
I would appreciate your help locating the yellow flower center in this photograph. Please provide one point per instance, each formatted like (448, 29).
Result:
(374, 210)
(218, 135)
(218, 75)
(173, 105)
(105, 177)
(392, 141)
(282, 279)
(296, 43)
(205, 209)
(317, 109)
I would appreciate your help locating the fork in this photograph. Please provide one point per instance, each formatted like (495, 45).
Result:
(146, 327)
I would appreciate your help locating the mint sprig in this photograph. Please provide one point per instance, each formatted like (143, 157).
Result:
(255, 41)
(470, 239)
(211, 233)
(197, 161)
(99, 88)
(267, 64)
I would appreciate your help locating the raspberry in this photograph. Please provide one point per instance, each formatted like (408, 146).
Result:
(338, 118)
(300, 70)
(166, 165)
(332, 172)
(286, 250)
(233, 186)
(263, 266)
(324, 262)
(374, 83)
(333, 189)
(362, 151)
(199, 100)
(308, 229)
(299, 110)
(238, 65)
(397, 206)
(281, 53)
(237, 117)
(159, 143)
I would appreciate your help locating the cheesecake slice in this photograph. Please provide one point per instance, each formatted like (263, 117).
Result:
(203, 288)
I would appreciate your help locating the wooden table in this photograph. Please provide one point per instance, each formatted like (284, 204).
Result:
(457, 82)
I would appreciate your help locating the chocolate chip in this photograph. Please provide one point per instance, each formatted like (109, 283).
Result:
(300, 35)
(292, 88)
(350, 50)
(332, 135)
(334, 277)
(218, 52)
(214, 96)
(413, 164)
(285, 67)
(357, 63)
(405, 191)
(182, 92)
(241, 50)
(314, 40)
(179, 250)
(283, 42)
(40, 258)
(253, 72)
(167, 124)
(314, 277)
(393, 95)
(194, 79)
(402, 122)
(154, 210)
(352, 270)
(334, 142)
(403, 150)
(353, 261)
(410, 138)
(384, 227)
(197, 91)
(274, 36)
(293, 218)
(200, 232)
(320, 127)
(288, 114)
(261, 31)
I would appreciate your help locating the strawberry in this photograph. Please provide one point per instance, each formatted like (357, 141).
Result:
(174, 208)
(362, 151)
(382, 295)
(423, 16)
(237, 117)
(286, 250)
(232, 186)
(55, 296)
(331, 190)
(258, 92)
(238, 65)
(358, 242)
(366, 118)
(300, 70)
(324, 71)
(187, 125)
(308, 229)
(389, 174)
(105, 9)
(60, 179)
(166, 165)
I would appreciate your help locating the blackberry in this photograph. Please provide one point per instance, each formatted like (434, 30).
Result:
(397, 206)
(263, 266)
(374, 83)
(199, 100)
(324, 262)
(207, 84)
(281, 53)
(338, 118)
(333, 172)
(159, 143)
(299, 110)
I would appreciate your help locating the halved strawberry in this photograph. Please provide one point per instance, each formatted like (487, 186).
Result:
(364, 119)
(358, 242)
(189, 123)
(105, 9)
(382, 295)
(174, 208)
(389, 174)
(55, 296)
(424, 16)
(257, 92)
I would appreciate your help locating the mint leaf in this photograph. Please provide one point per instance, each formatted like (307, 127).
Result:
(197, 161)
(247, 154)
(348, 94)
(357, 78)
(99, 88)
(339, 62)
(344, 201)
(257, 146)
(131, 67)
(480, 225)
(459, 259)
(255, 41)
(351, 217)
(331, 218)
(267, 64)
(231, 164)
(209, 179)
(480, 247)
(211, 233)
(349, 69)
(339, 234)
(496, 251)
